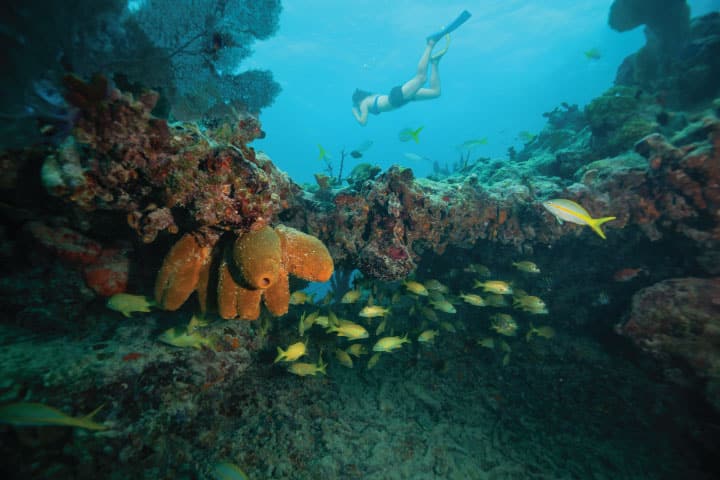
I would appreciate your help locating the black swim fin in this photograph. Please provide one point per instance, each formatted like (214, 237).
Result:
(462, 18)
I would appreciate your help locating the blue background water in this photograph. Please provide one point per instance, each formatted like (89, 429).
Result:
(512, 61)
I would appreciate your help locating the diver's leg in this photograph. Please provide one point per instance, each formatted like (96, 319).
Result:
(411, 87)
(433, 90)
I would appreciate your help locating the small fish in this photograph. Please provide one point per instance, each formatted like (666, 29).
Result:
(470, 144)
(526, 266)
(473, 299)
(373, 360)
(301, 298)
(196, 322)
(627, 274)
(448, 327)
(505, 347)
(381, 328)
(323, 155)
(504, 324)
(429, 314)
(389, 344)
(530, 303)
(41, 415)
(495, 300)
(372, 311)
(303, 369)
(544, 331)
(132, 356)
(436, 286)
(322, 320)
(443, 305)
(356, 154)
(356, 350)
(352, 296)
(180, 337)
(487, 342)
(408, 134)
(479, 269)
(592, 54)
(344, 358)
(572, 212)
(416, 287)
(506, 360)
(293, 352)
(128, 304)
(307, 321)
(228, 471)
(526, 136)
(351, 330)
(414, 157)
(364, 146)
(428, 336)
(497, 287)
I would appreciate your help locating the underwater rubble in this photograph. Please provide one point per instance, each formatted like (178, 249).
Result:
(129, 201)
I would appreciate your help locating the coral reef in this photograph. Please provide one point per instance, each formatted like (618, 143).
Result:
(254, 267)
(678, 320)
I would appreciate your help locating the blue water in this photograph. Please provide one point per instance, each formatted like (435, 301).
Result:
(512, 61)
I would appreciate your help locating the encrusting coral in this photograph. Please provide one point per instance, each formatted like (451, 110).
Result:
(254, 267)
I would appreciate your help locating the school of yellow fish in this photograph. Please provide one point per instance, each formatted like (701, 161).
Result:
(429, 302)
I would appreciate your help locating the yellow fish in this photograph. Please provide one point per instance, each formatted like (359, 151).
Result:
(301, 298)
(443, 305)
(373, 360)
(544, 331)
(228, 471)
(495, 286)
(470, 144)
(436, 286)
(344, 358)
(448, 327)
(388, 344)
(526, 266)
(592, 54)
(530, 304)
(303, 369)
(372, 311)
(408, 134)
(495, 300)
(504, 324)
(430, 314)
(381, 328)
(323, 155)
(487, 342)
(479, 269)
(428, 336)
(352, 296)
(416, 287)
(351, 330)
(356, 350)
(322, 320)
(41, 415)
(473, 299)
(293, 352)
(128, 304)
(572, 212)
(182, 338)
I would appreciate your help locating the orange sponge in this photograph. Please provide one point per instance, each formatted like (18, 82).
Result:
(305, 256)
(257, 256)
(180, 272)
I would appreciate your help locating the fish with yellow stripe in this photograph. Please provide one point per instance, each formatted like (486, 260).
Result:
(569, 211)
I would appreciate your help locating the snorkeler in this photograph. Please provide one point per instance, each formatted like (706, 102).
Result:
(376, 103)
(365, 103)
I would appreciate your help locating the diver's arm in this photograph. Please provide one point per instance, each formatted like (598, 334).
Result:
(360, 115)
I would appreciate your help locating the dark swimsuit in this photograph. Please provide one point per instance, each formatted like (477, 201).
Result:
(374, 107)
(396, 98)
